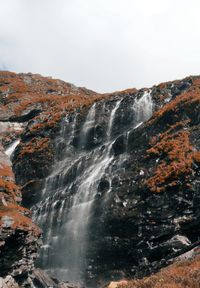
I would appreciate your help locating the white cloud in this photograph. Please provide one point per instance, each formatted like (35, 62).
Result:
(104, 45)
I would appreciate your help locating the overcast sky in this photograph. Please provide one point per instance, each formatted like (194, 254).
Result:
(104, 45)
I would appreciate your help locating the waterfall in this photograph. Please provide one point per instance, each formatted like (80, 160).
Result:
(143, 108)
(112, 117)
(10, 150)
(79, 216)
(89, 122)
(72, 190)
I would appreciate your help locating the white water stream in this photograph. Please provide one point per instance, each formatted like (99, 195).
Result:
(10, 150)
(70, 191)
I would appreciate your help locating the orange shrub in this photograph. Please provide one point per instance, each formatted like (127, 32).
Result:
(184, 274)
(176, 156)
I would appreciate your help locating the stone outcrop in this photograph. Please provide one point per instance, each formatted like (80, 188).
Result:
(184, 273)
(8, 282)
(145, 211)
(19, 236)
(25, 99)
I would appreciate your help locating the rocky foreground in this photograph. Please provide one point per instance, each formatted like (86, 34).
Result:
(151, 216)
(184, 273)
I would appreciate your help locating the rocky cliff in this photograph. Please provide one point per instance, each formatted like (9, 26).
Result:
(112, 180)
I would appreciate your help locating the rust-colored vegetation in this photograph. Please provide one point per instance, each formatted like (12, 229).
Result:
(38, 152)
(5, 171)
(185, 274)
(126, 92)
(54, 98)
(10, 194)
(29, 90)
(197, 157)
(176, 157)
(8, 189)
(187, 102)
(19, 218)
(174, 152)
(58, 108)
(20, 94)
(35, 146)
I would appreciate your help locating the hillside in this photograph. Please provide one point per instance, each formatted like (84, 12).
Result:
(112, 182)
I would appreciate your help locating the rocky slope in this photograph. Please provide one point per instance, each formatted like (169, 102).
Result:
(183, 273)
(121, 169)
(25, 97)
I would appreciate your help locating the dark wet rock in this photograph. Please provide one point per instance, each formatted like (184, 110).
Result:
(119, 145)
(141, 219)
(26, 116)
(19, 237)
(104, 185)
(41, 279)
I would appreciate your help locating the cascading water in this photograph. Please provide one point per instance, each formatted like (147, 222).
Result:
(143, 108)
(89, 123)
(70, 192)
(112, 116)
(10, 150)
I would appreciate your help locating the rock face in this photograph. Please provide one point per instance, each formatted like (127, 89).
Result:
(24, 102)
(184, 274)
(19, 237)
(112, 180)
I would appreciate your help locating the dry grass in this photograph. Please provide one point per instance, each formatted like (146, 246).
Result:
(8, 189)
(180, 275)
(36, 145)
(20, 220)
(173, 148)
(177, 156)
(9, 196)
(48, 94)
(183, 102)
